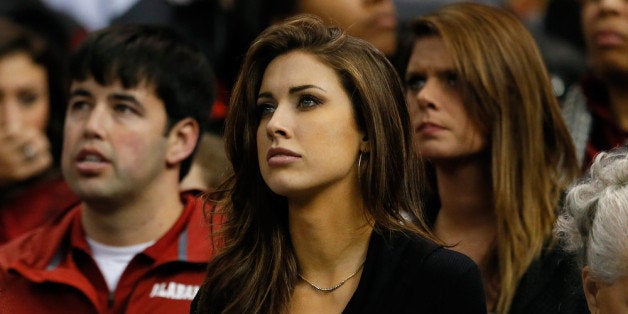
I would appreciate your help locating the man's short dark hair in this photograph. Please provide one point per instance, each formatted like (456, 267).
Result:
(155, 55)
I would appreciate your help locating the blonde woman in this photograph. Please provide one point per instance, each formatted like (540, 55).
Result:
(484, 117)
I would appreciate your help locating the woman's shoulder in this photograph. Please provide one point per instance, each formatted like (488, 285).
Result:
(450, 261)
(417, 258)
(427, 255)
(420, 274)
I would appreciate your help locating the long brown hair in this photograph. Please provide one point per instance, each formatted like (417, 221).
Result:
(507, 93)
(256, 270)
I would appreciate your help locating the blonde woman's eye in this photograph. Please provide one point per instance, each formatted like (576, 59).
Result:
(452, 79)
(415, 82)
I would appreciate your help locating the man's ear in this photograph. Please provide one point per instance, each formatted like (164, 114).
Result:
(182, 139)
(591, 287)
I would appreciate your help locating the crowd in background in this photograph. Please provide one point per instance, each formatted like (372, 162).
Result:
(226, 28)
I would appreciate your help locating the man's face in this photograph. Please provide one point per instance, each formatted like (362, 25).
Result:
(605, 29)
(114, 141)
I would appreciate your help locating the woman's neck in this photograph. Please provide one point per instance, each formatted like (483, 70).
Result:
(329, 246)
(330, 240)
(466, 217)
(330, 235)
(465, 192)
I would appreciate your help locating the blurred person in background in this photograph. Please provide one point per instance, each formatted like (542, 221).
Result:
(594, 224)
(486, 121)
(32, 105)
(372, 20)
(210, 165)
(596, 109)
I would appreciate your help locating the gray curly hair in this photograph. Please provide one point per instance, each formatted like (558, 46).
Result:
(594, 223)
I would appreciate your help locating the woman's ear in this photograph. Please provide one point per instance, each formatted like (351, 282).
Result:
(591, 287)
(365, 146)
(182, 140)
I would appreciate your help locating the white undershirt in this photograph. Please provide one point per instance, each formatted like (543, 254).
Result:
(112, 260)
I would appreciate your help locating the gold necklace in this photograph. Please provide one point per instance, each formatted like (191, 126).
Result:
(330, 289)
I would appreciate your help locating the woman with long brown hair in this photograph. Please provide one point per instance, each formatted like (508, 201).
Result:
(322, 213)
(484, 117)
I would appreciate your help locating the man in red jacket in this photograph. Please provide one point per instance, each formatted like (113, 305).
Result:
(134, 244)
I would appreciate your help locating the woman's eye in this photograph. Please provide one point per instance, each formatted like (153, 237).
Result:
(27, 99)
(415, 82)
(308, 101)
(452, 79)
(264, 110)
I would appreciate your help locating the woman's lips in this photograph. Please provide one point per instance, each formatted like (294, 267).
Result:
(428, 128)
(278, 156)
(608, 39)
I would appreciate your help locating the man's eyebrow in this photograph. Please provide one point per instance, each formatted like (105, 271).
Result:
(124, 97)
(80, 92)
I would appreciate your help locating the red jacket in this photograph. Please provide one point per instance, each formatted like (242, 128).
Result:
(51, 270)
(37, 203)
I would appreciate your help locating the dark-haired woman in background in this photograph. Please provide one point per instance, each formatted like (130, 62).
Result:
(32, 105)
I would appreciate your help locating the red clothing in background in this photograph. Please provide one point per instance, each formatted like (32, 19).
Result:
(605, 133)
(33, 204)
(51, 270)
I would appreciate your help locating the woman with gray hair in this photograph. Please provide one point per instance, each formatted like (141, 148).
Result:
(595, 225)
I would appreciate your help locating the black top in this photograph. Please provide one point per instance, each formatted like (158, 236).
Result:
(407, 274)
(551, 285)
